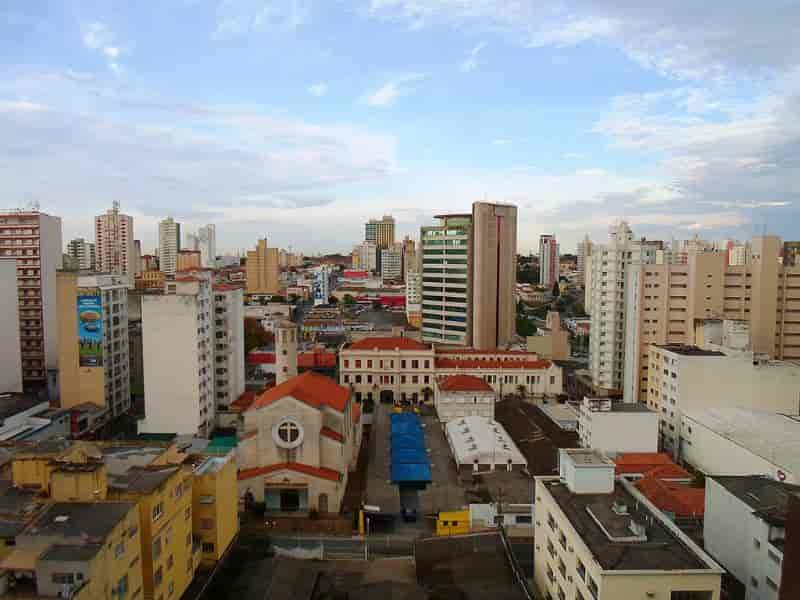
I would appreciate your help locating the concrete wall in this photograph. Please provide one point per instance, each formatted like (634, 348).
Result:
(454, 405)
(51, 257)
(615, 432)
(10, 357)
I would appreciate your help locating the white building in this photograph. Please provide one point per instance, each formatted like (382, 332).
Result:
(458, 396)
(685, 379)
(322, 285)
(169, 243)
(178, 349)
(744, 529)
(367, 254)
(83, 253)
(742, 441)
(229, 359)
(584, 254)
(113, 240)
(10, 356)
(549, 260)
(205, 242)
(480, 444)
(617, 427)
(392, 263)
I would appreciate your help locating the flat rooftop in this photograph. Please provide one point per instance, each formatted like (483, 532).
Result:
(141, 479)
(588, 456)
(71, 552)
(767, 497)
(93, 520)
(12, 404)
(599, 526)
(688, 350)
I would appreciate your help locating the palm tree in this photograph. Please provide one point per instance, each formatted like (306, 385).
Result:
(521, 391)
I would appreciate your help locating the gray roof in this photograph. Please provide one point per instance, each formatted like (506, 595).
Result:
(10, 528)
(141, 479)
(12, 404)
(17, 501)
(687, 350)
(71, 552)
(767, 497)
(92, 520)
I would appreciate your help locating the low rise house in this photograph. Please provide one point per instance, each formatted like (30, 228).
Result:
(457, 396)
(615, 427)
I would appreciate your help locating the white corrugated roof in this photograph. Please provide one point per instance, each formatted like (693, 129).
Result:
(774, 437)
(482, 439)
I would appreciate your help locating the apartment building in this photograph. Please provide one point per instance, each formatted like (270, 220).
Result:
(600, 538)
(93, 345)
(11, 356)
(113, 240)
(263, 270)
(584, 253)
(83, 253)
(392, 263)
(365, 256)
(229, 359)
(380, 231)
(137, 257)
(617, 427)
(169, 244)
(745, 530)
(215, 505)
(414, 298)
(188, 259)
(669, 303)
(684, 379)
(33, 238)
(548, 260)
(204, 242)
(178, 347)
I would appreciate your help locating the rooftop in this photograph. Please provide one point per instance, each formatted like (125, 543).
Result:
(649, 464)
(774, 437)
(688, 350)
(606, 531)
(13, 403)
(71, 552)
(482, 440)
(387, 343)
(141, 479)
(463, 383)
(588, 457)
(89, 520)
(311, 388)
(476, 363)
(767, 497)
(681, 500)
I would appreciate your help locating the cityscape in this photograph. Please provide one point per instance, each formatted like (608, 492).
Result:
(259, 349)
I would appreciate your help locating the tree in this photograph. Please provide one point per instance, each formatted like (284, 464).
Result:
(277, 298)
(556, 290)
(376, 304)
(255, 336)
(333, 300)
(524, 327)
(349, 299)
(293, 298)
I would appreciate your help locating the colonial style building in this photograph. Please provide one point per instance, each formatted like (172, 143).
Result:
(457, 396)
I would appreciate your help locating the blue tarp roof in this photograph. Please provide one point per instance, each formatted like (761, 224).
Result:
(410, 464)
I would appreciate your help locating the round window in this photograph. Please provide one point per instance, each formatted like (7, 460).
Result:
(288, 433)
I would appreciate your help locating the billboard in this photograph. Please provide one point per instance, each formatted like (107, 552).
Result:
(90, 331)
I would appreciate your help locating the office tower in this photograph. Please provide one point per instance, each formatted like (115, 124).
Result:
(322, 285)
(263, 271)
(392, 263)
(93, 350)
(584, 253)
(113, 240)
(229, 357)
(188, 259)
(34, 239)
(366, 256)
(381, 232)
(178, 346)
(447, 280)
(11, 355)
(548, 260)
(494, 274)
(82, 253)
(679, 303)
(169, 244)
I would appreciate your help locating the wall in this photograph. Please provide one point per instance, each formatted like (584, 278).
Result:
(614, 432)
(51, 257)
(219, 484)
(79, 486)
(454, 405)
(10, 357)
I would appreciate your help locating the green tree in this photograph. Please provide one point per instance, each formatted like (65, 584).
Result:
(349, 299)
(376, 304)
(333, 300)
(255, 336)
(524, 327)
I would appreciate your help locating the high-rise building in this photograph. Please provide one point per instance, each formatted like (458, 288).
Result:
(169, 244)
(188, 259)
(82, 253)
(93, 349)
(791, 254)
(381, 232)
(366, 256)
(548, 260)
(584, 253)
(11, 355)
(205, 241)
(178, 348)
(229, 343)
(113, 239)
(137, 257)
(494, 274)
(392, 263)
(322, 285)
(263, 270)
(672, 303)
(33, 238)
(409, 255)
(446, 280)
(414, 298)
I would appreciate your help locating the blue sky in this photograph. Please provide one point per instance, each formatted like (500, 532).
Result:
(299, 120)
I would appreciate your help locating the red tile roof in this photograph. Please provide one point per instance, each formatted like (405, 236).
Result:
(249, 434)
(463, 383)
(473, 363)
(226, 287)
(187, 279)
(312, 388)
(388, 343)
(473, 351)
(244, 401)
(320, 472)
(316, 359)
(681, 500)
(261, 358)
(649, 464)
(330, 433)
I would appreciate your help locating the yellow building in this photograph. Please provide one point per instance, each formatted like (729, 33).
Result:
(148, 280)
(452, 522)
(215, 505)
(188, 259)
(263, 270)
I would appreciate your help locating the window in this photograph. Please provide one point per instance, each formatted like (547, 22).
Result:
(756, 544)
(775, 558)
(415, 364)
(171, 588)
(188, 513)
(62, 578)
(346, 364)
(158, 511)
(581, 569)
(158, 577)
(122, 586)
(358, 364)
(592, 587)
(288, 432)
(206, 500)
(523, 520)
(369, 364)
(170, 561)
(156, 548)
(753, 582)
(119, 550)
(208, 547)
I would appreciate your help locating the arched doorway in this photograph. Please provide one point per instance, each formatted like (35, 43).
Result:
(387, 397)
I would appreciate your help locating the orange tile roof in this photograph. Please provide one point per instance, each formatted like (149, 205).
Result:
(330, 433)
(187, 279)
(244, 401)
(474, 363)
(249, 434)
(681, 500)
(312, 388)
(649, 464)
(388, 343)
(496, 352)
(463, 383)
(320, 472)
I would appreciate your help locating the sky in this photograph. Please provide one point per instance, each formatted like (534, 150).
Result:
(298, 119)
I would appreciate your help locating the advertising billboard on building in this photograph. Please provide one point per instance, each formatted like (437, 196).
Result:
(90, 331)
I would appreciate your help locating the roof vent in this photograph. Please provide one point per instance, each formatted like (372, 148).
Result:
(61, 519)
(620, 508)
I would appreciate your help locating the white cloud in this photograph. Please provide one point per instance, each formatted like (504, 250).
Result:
(572, 156)
(389, 92)
(318, 89)
(501, 142)
(242, 17)
(97, 37)
(111, 51)
(471, 62)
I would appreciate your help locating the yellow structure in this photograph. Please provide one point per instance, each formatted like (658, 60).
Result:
(452, 522)
(188, 259)
(148, 280)
(263, 269)
(215, 505)
(553, 344)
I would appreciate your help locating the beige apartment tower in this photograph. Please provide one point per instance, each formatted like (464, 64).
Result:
(494, 274)
(672, 303)
(263, 270)
(113, 237)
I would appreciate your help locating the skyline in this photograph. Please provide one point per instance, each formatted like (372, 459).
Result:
(283, 117)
